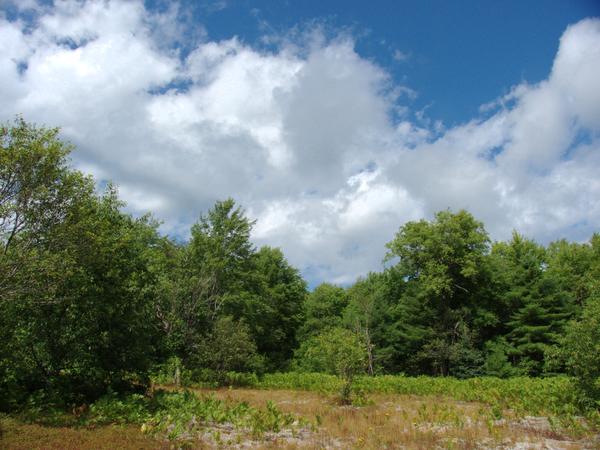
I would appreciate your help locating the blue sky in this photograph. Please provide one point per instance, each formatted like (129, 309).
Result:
(458, 55)
(332, 123)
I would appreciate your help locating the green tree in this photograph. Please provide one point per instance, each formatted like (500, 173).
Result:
(78, 319)
(37, 189)
(323, 308)
(209, 278)
(230, 347)
(221, 255)
(580, 349)
(366, 298)
(517, 276)
(337, 351)
(276, 313)
(92, 327)
(443, 265)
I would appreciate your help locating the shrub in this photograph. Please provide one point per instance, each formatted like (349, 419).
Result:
(337, 351)
(581, 351)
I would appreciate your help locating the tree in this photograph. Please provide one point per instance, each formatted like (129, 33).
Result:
(209, 279)
(37, 189)
(276, 313)
(230, 347)
(336, 351)
(79, 318)
(580, 348)
(221, 252)
(219, 273)
(517, 276)
(323, 308)
(443, 265)
(537, 291)
(444, 255)
(365, 296)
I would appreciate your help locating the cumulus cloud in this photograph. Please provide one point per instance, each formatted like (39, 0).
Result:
(302, 136)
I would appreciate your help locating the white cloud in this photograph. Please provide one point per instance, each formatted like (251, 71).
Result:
(301, 136)
(575, 71)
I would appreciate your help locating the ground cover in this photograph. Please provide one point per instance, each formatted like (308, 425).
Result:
(303, 411)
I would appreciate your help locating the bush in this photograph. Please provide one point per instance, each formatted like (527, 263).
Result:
(336, 351)
(230, 348)
(172, 372)
(581, 351)
(213, 378)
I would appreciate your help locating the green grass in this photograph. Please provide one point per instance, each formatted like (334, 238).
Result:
(551, 396)
(535, 396)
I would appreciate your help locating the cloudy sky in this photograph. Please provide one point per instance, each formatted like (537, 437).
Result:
(332, 125)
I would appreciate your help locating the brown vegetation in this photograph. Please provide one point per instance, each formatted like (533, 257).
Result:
(387, 421)
(22, 436)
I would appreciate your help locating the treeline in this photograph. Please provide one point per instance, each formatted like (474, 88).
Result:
(93, 299)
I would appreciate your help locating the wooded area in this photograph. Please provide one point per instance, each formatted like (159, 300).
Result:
(94, 300)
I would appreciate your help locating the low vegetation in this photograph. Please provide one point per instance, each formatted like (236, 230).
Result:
(284, 418)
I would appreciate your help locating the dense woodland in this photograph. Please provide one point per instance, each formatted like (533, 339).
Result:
(93, 299)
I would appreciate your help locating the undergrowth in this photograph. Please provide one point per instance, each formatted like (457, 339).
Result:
(553, 397)
(177, 416)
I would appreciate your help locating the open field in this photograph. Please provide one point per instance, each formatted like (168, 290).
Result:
(316, 420)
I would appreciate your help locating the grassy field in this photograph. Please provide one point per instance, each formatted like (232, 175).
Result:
(302, 411)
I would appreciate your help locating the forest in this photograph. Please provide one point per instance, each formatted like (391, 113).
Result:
(97, 302)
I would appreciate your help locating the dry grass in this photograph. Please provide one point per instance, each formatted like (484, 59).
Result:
(394, 421)
(21, 436)
(391, 421)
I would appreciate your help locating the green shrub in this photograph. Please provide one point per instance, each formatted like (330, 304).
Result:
(525, 395)
(581, 351)
(172, 372)
(213, 378)
(336, 351)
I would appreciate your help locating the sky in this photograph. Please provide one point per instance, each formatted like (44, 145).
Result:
(331, 123)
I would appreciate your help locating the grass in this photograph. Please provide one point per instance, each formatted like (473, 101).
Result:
(182, 418)
(408, 421)
(301, 411)
(19, 435)
(535, 396)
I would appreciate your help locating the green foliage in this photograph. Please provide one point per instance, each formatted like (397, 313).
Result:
(323, 308)
(179, 416)
(171, 372)
(455, 355)
(581, 351)
(91, 297)
(115, 408)
(442, 263)
(445, 255)
(366, 300)
(555, 396)
(336, 351)
(276, 313)
(496, 360)
(220, 249)
(78, 318)
(219, 274)
(230, 348)
(36, 186)
(533, 303)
